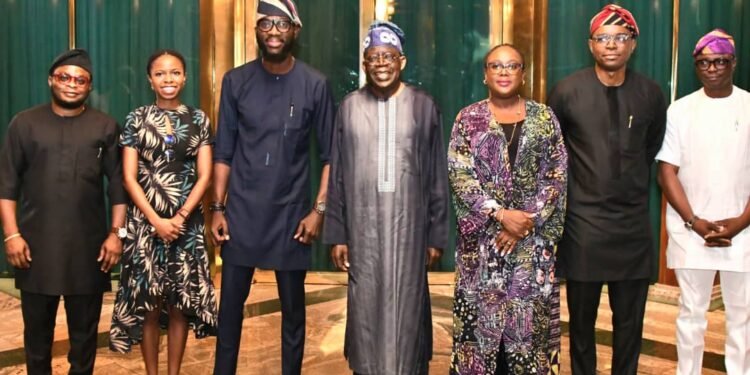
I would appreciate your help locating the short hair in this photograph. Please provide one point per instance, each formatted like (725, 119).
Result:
(162, 52)
(487, 55)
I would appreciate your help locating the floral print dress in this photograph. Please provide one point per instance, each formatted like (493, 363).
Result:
(152, 271)
(506, 305)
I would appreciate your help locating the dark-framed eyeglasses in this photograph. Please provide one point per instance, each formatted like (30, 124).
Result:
(604, 39)
(497, 67)
(720, 64)
(67, 78)
(388, 57)
(170, 140)
(282, 24)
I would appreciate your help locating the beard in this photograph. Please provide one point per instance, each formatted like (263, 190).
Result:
(286, 50)
(68, 104)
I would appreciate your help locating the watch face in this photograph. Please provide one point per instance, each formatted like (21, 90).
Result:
(122, 233)
(321, 206)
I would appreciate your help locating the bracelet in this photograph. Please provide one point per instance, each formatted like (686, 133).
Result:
(183, 213)
(502, 214)
(216, 207)
(12, 236)
(492, 213)
(689, 224)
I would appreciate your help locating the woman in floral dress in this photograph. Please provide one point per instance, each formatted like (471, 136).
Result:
(166, 169)
(507, 167)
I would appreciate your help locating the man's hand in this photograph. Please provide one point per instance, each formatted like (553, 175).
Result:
(704, 228)
(309, 228)
(219, 228)
(110, 252)
(18, 253)
(726, 230)
(433, 256)
(340, 257)
(518, 223)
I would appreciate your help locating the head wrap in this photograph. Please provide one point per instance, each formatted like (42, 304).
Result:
(280, 8)
(384, 33)
(614, 15)
(78, 57)
(715, 42)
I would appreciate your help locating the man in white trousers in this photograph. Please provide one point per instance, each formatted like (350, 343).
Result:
(703, 170)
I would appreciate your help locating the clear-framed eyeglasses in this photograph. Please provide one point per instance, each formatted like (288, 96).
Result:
(604, 39)
(497, 67)
(388, 57)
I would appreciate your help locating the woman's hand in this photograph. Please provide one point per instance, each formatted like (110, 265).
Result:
(518, 223)
(179, 221)
(505, 242)
(167, 229)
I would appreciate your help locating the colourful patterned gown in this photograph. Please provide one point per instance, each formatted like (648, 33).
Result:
(509, 302)
(178, 273)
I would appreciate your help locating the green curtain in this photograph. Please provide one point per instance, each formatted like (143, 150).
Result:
(121, 35)
(699, 17)
(32, 33)
(568, 51)
(329, 42)
(445, 44)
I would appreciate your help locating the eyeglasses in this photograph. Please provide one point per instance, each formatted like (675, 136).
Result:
(170, 140)
(383, 56)
(65, 78)
(619, 39)
(282, 24)
(497, 67)
(720, 63)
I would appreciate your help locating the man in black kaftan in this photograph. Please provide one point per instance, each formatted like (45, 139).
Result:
(613, 121)
(52, 168)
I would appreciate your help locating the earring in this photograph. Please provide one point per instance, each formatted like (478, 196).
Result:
(523, 81)
(484, 81)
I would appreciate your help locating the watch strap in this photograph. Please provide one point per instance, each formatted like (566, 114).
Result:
(689, 224)
(120, 232)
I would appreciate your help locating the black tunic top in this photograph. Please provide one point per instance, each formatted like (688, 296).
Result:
(54, 167)
(612, 135)
(266, 122)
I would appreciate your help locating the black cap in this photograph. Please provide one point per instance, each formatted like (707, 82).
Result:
(77, 57)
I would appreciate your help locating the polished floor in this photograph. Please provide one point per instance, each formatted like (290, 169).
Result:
(326, 316)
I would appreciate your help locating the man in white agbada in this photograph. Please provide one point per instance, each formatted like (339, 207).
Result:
(703, 170)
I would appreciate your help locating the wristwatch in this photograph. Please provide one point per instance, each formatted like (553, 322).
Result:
(689, 223)
(320, 207)
(120, 232)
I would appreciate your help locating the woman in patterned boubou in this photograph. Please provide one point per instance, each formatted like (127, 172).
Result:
(507, 166)
(166, 169)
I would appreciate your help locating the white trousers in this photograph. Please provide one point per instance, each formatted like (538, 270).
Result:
(695, 296)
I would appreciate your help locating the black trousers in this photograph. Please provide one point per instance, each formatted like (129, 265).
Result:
(39, 312)
(235, 287)
(627, 299)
